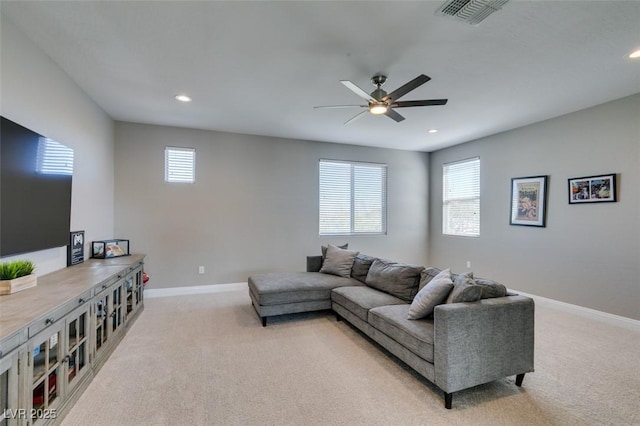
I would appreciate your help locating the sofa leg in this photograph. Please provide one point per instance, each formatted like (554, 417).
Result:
(519, 379)
(448, 399)
(264, 321)
(338, 317)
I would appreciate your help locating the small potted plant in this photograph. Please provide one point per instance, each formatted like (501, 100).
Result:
(16, 275)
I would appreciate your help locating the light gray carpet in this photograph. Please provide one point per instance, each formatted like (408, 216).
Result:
(206, 360)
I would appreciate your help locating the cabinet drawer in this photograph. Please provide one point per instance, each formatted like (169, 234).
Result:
(10, 343)
(54, 315)
(133, 267)
(108, 283)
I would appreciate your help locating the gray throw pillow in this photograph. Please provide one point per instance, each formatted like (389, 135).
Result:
(361, 266)
(427, 275)
(490, 288)
(345, 246)
(397, 279)
(432, 294)
(338, 262)
(464, 289)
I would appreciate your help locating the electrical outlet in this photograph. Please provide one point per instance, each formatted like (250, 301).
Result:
(201, 269)
(468, 264)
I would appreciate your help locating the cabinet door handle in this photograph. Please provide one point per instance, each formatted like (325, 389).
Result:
(81, 301)
(49, 321)
(104, 286)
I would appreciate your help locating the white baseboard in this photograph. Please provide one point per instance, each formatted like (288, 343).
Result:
(606, 317)
(196, 289)
(617, 320)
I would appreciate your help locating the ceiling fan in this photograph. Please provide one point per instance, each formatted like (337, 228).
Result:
(381, 102)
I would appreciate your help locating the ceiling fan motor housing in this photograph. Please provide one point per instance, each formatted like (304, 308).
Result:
(378, 80)
(378, 94)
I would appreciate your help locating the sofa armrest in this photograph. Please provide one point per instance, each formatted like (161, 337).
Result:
(314, 263)
(482, 341)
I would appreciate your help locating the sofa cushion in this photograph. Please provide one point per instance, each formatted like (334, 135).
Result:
(291, 287)
(358, 300)
(490, 288)
(361, 266)
(427, 275)
(338, 261)
(397, 279)
(432, 294)
(415, 335)
(464, 289)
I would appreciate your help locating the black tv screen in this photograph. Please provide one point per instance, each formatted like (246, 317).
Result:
(35, 190)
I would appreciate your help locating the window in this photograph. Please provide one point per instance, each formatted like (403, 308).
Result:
(353, 198)
(461, 198)
(179, 164)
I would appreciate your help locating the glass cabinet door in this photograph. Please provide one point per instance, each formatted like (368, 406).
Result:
(130, 287)
(9, 400)
(101, 316)
(117, 307)
(133, 285)
(108, 316)
(139, 287)
(46, 360)
(77, 345)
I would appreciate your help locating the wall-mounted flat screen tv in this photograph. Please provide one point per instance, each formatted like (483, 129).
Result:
(35, 190)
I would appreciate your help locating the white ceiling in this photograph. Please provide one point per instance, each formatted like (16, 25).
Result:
(261, 67)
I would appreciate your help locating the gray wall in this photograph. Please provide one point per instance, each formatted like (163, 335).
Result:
(588, 254)
(39, 95)
(254, 206)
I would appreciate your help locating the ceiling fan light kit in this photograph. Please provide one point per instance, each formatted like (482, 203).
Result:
(379, 102)
(377, 109)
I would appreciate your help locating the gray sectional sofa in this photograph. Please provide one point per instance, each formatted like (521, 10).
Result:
(456, 345)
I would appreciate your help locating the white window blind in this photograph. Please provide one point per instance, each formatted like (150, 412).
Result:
(353, 198)
(179, 164)
(461, 198)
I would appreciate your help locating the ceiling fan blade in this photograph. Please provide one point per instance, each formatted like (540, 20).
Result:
(355, 117)
(430, 102)
(358, 91)
(403, 90)
(339, 106)
(394, 115)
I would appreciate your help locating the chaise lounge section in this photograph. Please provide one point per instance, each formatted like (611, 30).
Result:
(281, 293)
(460, 344)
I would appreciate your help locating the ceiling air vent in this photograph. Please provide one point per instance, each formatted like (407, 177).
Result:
(470, 11)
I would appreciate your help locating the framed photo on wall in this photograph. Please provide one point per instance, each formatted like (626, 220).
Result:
(529, 201)
(593, 189)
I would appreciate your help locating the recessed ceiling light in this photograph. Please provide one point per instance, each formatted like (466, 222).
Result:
(183, 98)
(433, 130)
(635, 54)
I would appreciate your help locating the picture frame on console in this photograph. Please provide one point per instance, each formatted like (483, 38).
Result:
(529, 201)
(593, 189)
(75, 249)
